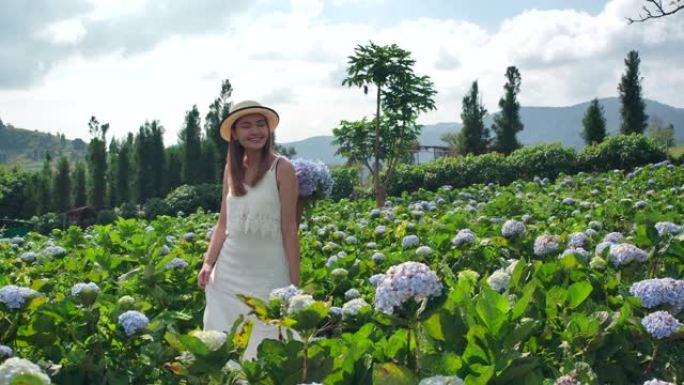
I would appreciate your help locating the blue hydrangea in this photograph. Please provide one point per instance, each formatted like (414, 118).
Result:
(14, 297)
(378, 257)
(640, 204)
(28, 256)
(577, 251)
(164, 250)
(380, 229)
(133, 321)
(590, 232)
(463, 237)
(613, 237)
(667, 228)
(17, 240)
(284, 294)
(189, 236)
(332, 260)
(375, 279)
(55, 251)
(82, 287)
(596, 225)
(546, 244)
(660, 324)
(659, 291)
(568, 201)
(313, 178)
(578, 239)
(403, 282)
(335, 312)
(176, 263)
(410, 241)
(6, 351)
(624, 253)
(512, 228)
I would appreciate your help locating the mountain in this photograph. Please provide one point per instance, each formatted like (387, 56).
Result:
(542, 125)
(29, 147)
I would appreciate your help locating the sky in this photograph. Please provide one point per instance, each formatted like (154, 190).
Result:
(130, 61)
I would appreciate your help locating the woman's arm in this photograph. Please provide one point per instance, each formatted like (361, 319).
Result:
(289, 192)
(219, 235)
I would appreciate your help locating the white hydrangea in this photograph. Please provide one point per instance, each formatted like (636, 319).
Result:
(299, 302)
(409, 280)
(214, 339)
(14, 366)
(442, 380)
(424, 250)
(658, 382)
(499, 280)
(351, 308)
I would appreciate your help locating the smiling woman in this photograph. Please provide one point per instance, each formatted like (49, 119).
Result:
(255, 248)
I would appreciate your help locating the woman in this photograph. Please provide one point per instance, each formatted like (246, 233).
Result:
(255, 247)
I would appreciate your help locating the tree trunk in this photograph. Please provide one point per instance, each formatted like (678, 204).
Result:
(379, 193)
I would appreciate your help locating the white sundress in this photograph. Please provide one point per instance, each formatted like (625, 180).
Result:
(252, 260)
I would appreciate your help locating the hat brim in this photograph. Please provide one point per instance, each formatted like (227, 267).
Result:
(271, 117)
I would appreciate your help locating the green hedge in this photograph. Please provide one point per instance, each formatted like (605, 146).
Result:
(546, 160)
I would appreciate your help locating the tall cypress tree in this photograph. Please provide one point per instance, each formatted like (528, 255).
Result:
(209, 162)
(507, 122)
(157, 158)
(474, 137)
(191, 143)
(113, 199)
(173, 167)
(218, 110)
(79, 191)
(97, 163)
(62, 185)
(143, 174)
(633, 109)
(594, 123)
(44, 186)
(125, 169)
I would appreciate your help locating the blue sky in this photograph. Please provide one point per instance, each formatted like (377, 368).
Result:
(128, 61)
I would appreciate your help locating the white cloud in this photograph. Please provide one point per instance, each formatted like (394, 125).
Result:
(296, 61)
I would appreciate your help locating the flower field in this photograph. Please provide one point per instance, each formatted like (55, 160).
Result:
(572, 281)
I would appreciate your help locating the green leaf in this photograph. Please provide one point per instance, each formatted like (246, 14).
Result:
(492, 308)
(578, 292)
(391, 374)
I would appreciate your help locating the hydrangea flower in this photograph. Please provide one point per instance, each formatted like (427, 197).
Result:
(133, 321)
(378, 257)
(410, 241)
(54, 251)
(380, 229)
(14, 367)
(14, 297)
(164, 250)
(583, 254)
(526, 218)
(351, 239)
(590, 232)
(546, 244)
(284, 294)
(299, 302)
(409, 280)
(657, 382)
(623, 253)
(601, 247)
(578, 239)
(332, 260)
(189, 236)
(568, 201)
(463, 237)
(375, 279)
(214, 339)
(126, 300)
(28, 256)
(613, 237)
(659, 291)
(512, 228)
(335, 312)
(566, 380)
(81, 287)
(6, 351)
(352, 294)
(667, 228)
(597, 263)
(442, 380)
(351, 308)
(424, 250)
(660, 324)
(499, 280)
(176, 263)
(640, 204)
(313, 178)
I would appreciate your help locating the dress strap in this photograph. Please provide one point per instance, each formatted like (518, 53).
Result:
(273, 165)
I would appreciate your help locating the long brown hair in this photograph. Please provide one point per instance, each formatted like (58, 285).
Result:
(236, 153)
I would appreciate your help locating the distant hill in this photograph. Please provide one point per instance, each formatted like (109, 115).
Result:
(542, 125)
(29, 147)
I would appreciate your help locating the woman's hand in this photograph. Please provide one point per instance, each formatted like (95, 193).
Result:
(203, 276)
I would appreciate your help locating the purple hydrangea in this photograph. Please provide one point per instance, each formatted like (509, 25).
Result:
(464, 237)
(410, 241)
(409, 280)
(624, 253)
(313, 178)
(81, 287)
(578, 239)
(176, 263)
(512, 228)
(660, 324)
(667, 228)
(566, 380)
(284, 294)
(583, 254)
(546, 244)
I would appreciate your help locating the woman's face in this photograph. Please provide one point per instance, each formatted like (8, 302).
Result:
(252, 131)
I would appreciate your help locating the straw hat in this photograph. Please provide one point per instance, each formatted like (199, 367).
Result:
(243, 108)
